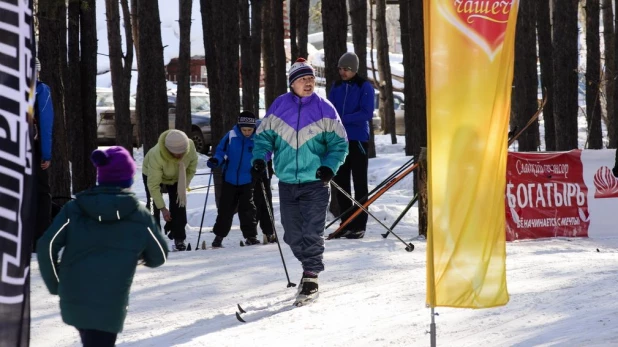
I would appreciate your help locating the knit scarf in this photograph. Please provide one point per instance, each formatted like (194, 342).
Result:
(181, 196)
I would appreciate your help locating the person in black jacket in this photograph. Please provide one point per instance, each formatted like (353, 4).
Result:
(353, 97)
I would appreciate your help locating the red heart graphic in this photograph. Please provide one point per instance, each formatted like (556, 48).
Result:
(483, 21)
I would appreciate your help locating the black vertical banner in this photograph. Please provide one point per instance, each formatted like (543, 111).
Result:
(17, 204)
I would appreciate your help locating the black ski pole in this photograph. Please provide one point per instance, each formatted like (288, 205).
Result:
(405, 210)
(272, 220)
(377, 188)
(197, 246)
(409, 246)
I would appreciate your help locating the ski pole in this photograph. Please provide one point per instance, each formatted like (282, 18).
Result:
(377, 188)
(405, 210)
(190, 189)
(372, 199)
(272, 220)
(197, 246)
(409, 247)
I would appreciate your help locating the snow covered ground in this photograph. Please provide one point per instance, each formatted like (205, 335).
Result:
(563, 291)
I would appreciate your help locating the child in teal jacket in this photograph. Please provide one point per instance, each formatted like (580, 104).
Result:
(105, 232)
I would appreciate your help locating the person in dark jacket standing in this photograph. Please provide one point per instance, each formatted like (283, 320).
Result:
(44, 120)
(353, 97)
(104, 232)
(309, 143)
(234, 154)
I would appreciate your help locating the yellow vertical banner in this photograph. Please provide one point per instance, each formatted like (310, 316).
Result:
(469, 57)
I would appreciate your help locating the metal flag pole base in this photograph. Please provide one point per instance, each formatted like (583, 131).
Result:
(432, 328)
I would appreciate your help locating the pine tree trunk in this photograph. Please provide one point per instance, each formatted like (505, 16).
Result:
(302, 23)
(525, 80)
(614, 96)
(384, 68)
(183, 99)
(249, 93)
(609, 38)
(120, 87)
(543, 23)
(593, 75)
(358, 15)
(293, 15)
(256, 48)
(135, 31)
(335, 26)
(565, 53)
(75, 120)
(413, 45)
(281, 85)
(88, 41)
(268, 54)
(221, 41)
(127, 70)
(152, 102)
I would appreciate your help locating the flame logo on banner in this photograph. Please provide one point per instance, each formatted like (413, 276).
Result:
(482, 21)
(605, 183)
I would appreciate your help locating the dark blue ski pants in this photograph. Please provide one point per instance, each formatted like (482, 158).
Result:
(303, 215)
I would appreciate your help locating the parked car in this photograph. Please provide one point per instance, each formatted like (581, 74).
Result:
(106, 114)
(398, 106)
(200, 118)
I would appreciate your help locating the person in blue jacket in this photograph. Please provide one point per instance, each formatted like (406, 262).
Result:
(353, 97)
(89, 254)
(233, 155)
(44, 125)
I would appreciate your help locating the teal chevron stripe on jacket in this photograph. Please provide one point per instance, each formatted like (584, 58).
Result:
(303, 134)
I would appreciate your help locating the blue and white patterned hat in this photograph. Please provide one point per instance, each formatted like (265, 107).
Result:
(299, 69)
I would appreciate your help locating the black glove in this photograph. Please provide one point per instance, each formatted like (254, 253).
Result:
(257, 171)
(212, 163)
(615, 171)
(324, 173)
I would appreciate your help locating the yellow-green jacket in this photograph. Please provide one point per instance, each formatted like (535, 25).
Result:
(161, 167)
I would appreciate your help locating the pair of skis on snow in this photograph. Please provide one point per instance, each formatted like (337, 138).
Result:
(241, 311)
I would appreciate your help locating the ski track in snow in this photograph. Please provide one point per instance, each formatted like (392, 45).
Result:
(372, 293)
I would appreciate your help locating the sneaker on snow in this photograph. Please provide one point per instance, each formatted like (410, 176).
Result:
(216, 243)
(308, 291)
(252, 241)
(180, 245)
(359, 234)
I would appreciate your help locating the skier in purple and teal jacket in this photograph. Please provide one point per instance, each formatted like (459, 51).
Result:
(309, 143)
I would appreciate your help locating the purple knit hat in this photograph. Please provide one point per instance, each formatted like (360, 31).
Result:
(115, 167)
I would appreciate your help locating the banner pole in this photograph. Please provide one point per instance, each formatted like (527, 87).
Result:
(432, 328)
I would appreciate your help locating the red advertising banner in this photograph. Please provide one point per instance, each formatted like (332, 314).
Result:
(546, 196)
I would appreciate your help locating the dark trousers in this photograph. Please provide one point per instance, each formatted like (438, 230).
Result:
(176, 227)
(356, 164)
(262, 215)
(97, 338)
(303, 215)
(44, 198)
(232, 195)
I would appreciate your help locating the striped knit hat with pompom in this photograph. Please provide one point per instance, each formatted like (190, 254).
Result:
(299, 69)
